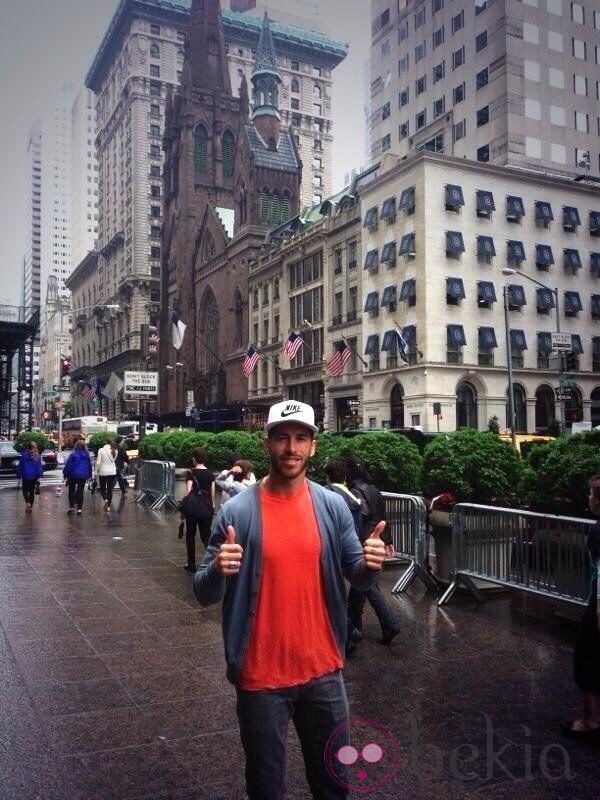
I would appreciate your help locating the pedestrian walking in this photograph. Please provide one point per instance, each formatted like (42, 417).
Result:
(277, 557)
(122, 459)
(587, 646)
(238, 478)
(30, 469)
(106, 472)
(372, 512)
(335, 475)
(77, 470)
(198, 505)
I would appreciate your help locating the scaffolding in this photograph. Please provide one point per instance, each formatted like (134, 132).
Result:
(18, 328)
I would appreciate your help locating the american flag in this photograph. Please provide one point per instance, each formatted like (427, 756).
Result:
(292, 345)
(89, 391)
(402, 346)
(337, 362)
(251, 360)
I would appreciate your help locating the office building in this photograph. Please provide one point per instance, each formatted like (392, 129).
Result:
(496, 81)
(84, 188)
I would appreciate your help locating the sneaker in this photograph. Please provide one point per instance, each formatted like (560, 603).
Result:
(70, 511)
(105, 506)
(107, 509)
(390, 634)
(78, 511)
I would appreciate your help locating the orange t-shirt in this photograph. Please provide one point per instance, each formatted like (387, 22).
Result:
(291, 640)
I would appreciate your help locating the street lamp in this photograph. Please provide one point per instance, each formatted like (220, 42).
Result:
(511, 271)
(511, 387)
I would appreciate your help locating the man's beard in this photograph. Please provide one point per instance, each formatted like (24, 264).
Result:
(288, 470)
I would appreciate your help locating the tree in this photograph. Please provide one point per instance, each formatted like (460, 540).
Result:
(24, 437)
(393, 462)
(475, 466)
(558, 471)
(493, 425)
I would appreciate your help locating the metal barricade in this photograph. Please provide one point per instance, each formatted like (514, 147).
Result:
(538, 553)
(157, 487)
(407, 522)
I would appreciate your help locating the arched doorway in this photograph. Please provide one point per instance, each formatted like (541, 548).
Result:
(574, 407)
(397, 406)
(595, 398)
(520, 400)
(466, 406)
(544, 408)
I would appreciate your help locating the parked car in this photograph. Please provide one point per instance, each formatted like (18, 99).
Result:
(49, 457)
(8, 455)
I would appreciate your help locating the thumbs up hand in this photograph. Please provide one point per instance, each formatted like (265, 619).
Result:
(374, 548)
(229, 557)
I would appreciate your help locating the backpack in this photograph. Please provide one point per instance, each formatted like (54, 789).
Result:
(355, 508)
(372, 509)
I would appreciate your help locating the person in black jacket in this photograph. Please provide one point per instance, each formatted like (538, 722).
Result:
(587, 647)
(372, 512)
(121, 459)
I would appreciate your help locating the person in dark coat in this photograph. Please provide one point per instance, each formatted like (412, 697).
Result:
(587, 648)
(77, 470)
(30, 469)
(373, 511)
(121, 460)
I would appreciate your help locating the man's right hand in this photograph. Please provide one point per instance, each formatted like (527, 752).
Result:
(229, 557)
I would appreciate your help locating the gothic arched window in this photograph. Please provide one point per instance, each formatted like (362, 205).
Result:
(209, 325)
(228, 149)
(208, 249)
(275, 208)
(285, 207)
(264, 205)
(200, 149)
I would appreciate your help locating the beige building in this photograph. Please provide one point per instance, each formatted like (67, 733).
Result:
(419, 246)
(503, 81)
(82, 283)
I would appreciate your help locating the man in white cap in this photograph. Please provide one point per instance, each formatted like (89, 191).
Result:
(277, 558)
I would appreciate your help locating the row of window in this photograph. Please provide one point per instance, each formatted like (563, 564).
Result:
(420, 17)
(265, 294)
(486, 296)
(458, 56)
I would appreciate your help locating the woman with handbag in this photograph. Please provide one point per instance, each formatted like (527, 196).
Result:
(198, 505)
(106, 472)
(30, 469)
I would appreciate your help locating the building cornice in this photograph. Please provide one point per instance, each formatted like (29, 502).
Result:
(82, 271)
(505, 172)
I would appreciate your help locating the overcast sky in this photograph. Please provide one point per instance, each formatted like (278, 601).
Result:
(44, 43)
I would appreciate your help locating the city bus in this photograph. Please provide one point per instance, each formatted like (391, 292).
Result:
(74, 427)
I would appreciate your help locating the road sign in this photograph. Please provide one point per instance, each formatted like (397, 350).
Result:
(140, 384)
(561, 341)
(564, 395)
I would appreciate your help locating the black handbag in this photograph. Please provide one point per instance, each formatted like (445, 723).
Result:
(197, 503)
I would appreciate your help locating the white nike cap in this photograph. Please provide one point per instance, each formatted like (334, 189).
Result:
(292, 411)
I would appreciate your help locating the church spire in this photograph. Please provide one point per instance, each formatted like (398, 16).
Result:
(265, 83)
(206, 47)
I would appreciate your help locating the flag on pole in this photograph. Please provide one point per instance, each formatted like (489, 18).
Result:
(113, 387)
(402, 346)
(337, 362)
(250, 361)
(292, 345)
(89, 390)
(177, 330)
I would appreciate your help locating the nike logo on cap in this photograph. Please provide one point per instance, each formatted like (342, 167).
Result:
(290, 409)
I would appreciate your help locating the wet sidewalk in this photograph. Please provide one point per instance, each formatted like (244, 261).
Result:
(113, 679)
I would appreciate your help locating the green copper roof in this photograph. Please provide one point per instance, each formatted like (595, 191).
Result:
(236, 25)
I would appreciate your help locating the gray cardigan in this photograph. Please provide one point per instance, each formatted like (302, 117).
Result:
(341, 556)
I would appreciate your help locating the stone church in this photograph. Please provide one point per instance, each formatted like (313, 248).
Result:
(232, 173)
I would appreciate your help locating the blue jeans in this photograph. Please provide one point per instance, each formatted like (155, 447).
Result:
(316, 708)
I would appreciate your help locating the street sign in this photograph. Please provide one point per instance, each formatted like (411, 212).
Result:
(140, 384)
(564, 395)
(561, 341)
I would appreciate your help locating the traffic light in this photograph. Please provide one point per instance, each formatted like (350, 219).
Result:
(150, 341)
(571, 362)
(66, 362)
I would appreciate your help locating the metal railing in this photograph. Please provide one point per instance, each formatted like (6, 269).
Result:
(157, 485)
(407, 522)
(541, 554)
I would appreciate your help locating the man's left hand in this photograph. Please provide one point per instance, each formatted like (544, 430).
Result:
(374, 548)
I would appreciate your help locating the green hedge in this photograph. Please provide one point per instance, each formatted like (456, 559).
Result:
(98, 440)
(476, 466)
(556, 475)
(30, 436)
